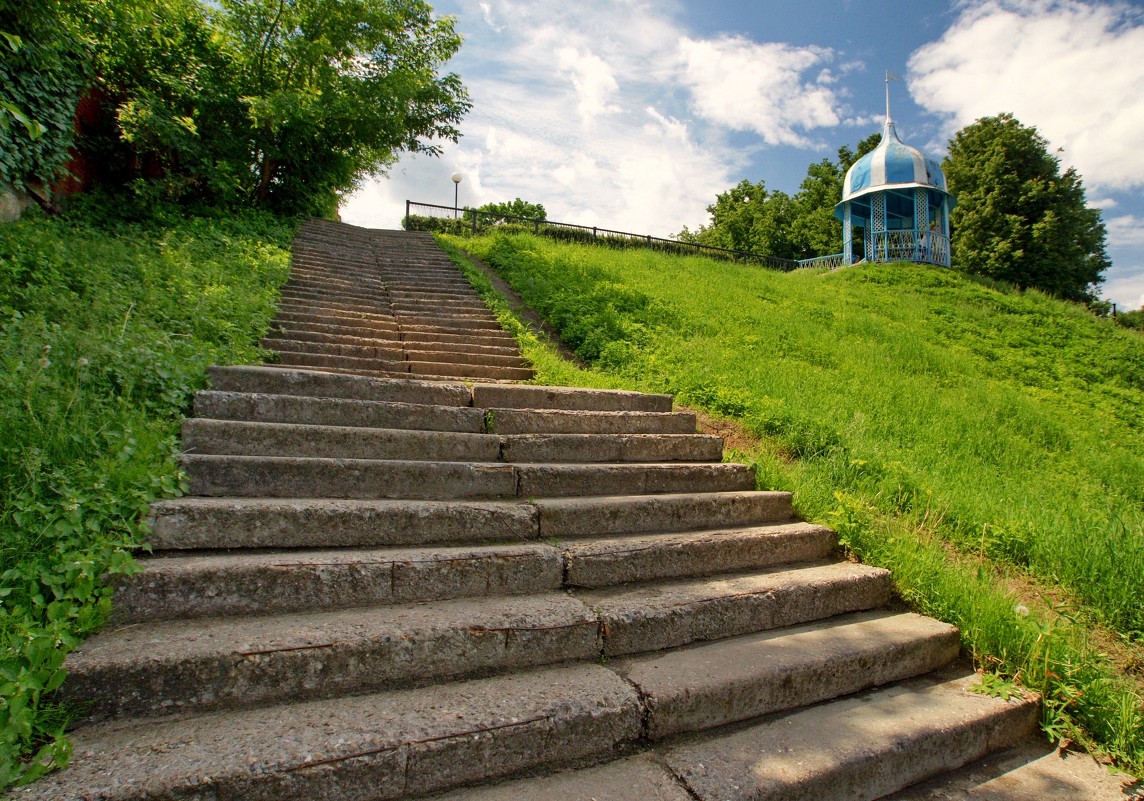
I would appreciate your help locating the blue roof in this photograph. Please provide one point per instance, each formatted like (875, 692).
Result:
(892, 164)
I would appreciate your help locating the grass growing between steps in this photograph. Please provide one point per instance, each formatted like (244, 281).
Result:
(106, 329)
(986, 445)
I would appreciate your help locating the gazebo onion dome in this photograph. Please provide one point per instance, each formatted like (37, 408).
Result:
(891, 162)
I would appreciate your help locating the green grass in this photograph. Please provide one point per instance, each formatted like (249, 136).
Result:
(106, 328)
(963, 435)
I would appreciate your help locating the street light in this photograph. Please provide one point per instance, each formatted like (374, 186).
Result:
(456, 190)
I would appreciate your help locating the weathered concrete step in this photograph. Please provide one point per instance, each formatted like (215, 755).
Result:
(207, 436)
(229, 663)
(270, 583)
(421, 327)
(302, 410)
(303, 364)
(610, 561)
(385, 746)
(197, 523)
(378, 299)
(458, 356)
(333, 308)
(293, 477)
(451, 324)
(391, 340)
(467, 348)
(737, 679)
(411, 334)
(568, 399)
(310, 383)
(611, 448)
(389, 352)
(466, 370)
(318, 361)
(862, 747)
(443, 295)
(551, 421)
(311, 317)
(666, 615)
(349, 330)
(562, 518)
(312, 276)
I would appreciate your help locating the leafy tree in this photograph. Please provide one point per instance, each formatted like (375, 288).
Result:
(515, 208)
(1018, 218)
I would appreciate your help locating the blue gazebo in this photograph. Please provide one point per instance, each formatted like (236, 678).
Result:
(895, 200)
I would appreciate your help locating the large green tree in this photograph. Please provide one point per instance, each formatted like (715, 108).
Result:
(1018, 218)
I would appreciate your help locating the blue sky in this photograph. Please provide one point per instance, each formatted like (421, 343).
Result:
(634, 115)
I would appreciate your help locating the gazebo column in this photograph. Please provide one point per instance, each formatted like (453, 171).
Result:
(847, 236)
(877, 233)
(923, 247)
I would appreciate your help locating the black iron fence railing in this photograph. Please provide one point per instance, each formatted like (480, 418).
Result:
(447, 219)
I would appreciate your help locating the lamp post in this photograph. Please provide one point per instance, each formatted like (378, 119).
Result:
(456, 191)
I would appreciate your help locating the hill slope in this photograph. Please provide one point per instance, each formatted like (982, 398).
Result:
(928, 417)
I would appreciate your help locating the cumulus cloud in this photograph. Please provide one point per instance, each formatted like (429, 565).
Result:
(593, 80)
(1125, 230)
(749, 86)
(1070, 68)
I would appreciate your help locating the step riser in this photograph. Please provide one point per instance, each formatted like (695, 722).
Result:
(721, 552)
(324, 385)
(719, 616)
(324, 580)
(184, 524)
(296, 359)
(380, 653)
(597, 517)
(470, 371)
(524, 421)
(617, 448)
(570, 400)
(253, 407)
(281, 477)
(213, 437)
(386, 353)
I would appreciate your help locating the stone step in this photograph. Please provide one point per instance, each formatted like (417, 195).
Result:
(315, 384)
(324, 321)
(269, 583)
(861, 747)
(293, 477)
(568, 399)
(333, 308)
(197, 523)
(502, 338)
(390, 340)
(198, 665)
(389, 352)
(563, 518)
(609, 561)
(652, 617)
(207, 436)
(610, 448)
(464, 370)
(377, 299)
(457, 356)
(451, 324)
(551, 421)
(317, 361)
(303, 410)
(389, 745)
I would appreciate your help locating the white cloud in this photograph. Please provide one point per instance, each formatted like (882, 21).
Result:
(749, 86)
(1071, 69)
(1126, 290)
(593, 80)
(1125, 230)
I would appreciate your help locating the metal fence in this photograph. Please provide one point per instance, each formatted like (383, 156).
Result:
(832, 262)
(447, 219)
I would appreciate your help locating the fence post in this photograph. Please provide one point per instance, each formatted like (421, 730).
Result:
(407, 214)
(474, 223)
(536, 226)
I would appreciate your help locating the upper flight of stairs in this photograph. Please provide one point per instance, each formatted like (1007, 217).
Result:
(389, 304)
(392, 588)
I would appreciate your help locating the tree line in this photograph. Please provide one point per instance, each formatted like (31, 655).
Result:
(283, 104)
(1018, 218)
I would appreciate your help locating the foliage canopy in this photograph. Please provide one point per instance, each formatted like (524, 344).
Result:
(1018, 219)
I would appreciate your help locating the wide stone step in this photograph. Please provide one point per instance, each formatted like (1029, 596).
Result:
(302, 410)
(389, 340)
(206, 436)
(271, 583)
(611, 448)
(316, 384)
(321, 322)
(318, 361)
(206, 664)
(548, 421)
(637, 558)
(390, 745)
(562, 518)
(458, 356)
(451, 324)
(567, 399)
(196, 523)
(390, 353)
(377, 299)
(330, 308)
(861, 747)
(464, 370)
(666, 615)
(293, 477)
(495, 338)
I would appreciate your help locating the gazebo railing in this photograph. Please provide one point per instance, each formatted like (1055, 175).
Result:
(907, 245)
(832, 262)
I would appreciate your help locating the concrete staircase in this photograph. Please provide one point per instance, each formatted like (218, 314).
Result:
(392, 588)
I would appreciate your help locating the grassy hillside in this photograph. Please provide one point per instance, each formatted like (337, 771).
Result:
(985, 444)
(106, 328)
